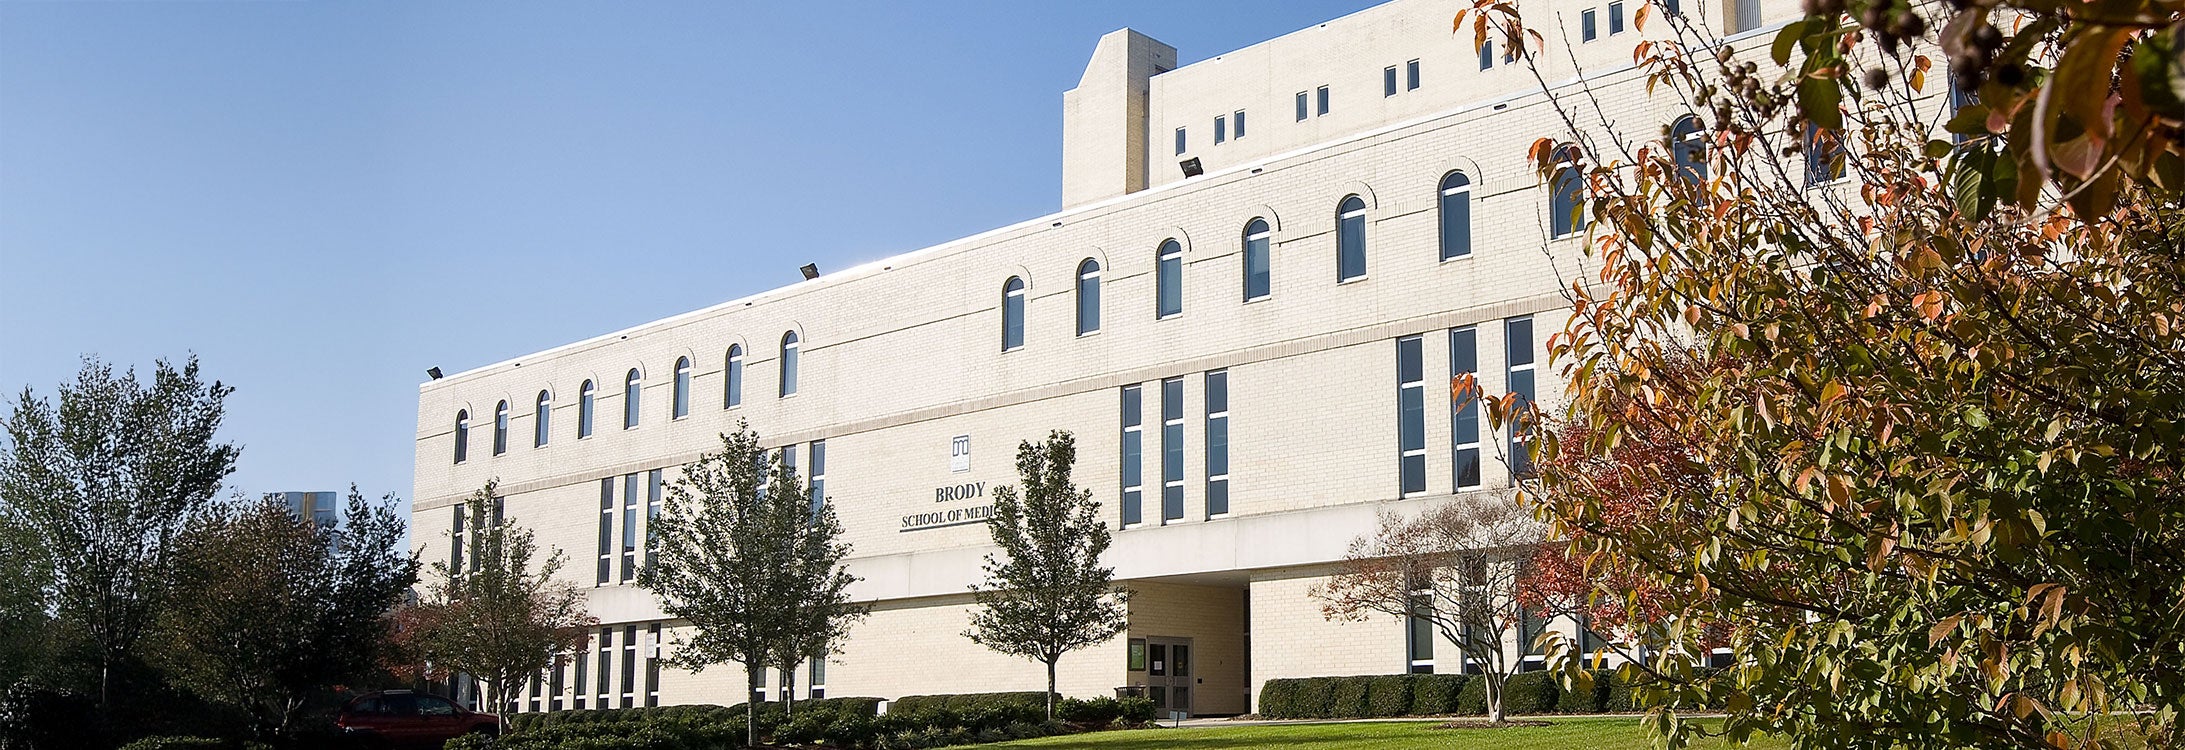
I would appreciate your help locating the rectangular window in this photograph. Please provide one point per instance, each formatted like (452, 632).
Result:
(1217, 443)
(606, 528)
(1301, 103)
(817, 483)
(1615, 18)
(1411, 76)
(1411, 415)
(578, 685)
(1221, 129)
(1587, 24)
(653, 492)
(652, 665)
(818, 679)
(1172, 450)
(1237, 120)
(1388, 81)
(554, 684)
(1420, 633)
(1518, 333)
(606, 665)
(629, 666)
(1133, 455)
(629, 527)
(1464, 409)
(1487, 54)
(1323, 100)
(1179, 141)
(455, 540)
(538, 693)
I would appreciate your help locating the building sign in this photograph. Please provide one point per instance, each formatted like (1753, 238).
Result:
(942, 518)
(959, 454)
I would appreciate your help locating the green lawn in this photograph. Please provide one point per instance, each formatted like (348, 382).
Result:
(1565, 734)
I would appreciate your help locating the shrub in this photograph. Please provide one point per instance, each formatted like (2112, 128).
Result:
(177, 743)
(1435, 694)
(1472, 698)
(469, 742)
(1388, 695)
(1313, 698)
(1278, 699)
(1097, 712)
(1593, 700)
(1347, 698)
(1530, 693)
(1621, 698)
(1136, 710)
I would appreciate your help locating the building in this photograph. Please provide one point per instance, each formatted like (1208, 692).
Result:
(323, 508)
(1253, 360)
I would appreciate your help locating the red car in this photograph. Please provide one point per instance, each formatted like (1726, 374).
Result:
(400, 718)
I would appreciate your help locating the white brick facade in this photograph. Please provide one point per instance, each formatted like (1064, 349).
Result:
(900, 356)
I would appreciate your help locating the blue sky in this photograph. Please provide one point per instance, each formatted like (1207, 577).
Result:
(323, 199)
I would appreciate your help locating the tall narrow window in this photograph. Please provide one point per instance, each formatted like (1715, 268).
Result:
(1566, 207)
(1179, 141)
(1088, 296)
(1589, 24)
(462, 436)
(652, 665)
(1420, 632)
(1824, 156)
(1744, 15)
(1688, 148)
(500, 428)
(1134, 444)
(653, 492)
(1518, 332)
(633, 386)
(1238, 119)
(1301, 106)
(1456, 216)
(629, 527)
(555, 686)
(606, 529)
(1012, 314)
(629, 666)
(818, 678)
(789, 363)
(541, 416)
(1411, 415)
(1464, 408)
(586, 397)
(455, 539)
(1350, 239)
(1217, 443)
(1388, 81)
(1172, 450)
(1411, 76)
(538, 693)
(1615, 18)
(1258, 271)
(732, 391)
(1486, 54)
(816, 479)
(1169, 280)
(681, 407)
(1221, 129)
(579, 684)
(606, 665)
(1323, 93)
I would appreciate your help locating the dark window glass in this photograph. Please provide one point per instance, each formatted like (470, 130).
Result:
(629, 527)
(1518, 332)
(1464, 408)
(1258, 277)
(540, 419)
(1456, 216)
(1012, 314)
(578, 679)
(606, 660)
(462, 436)
(1486, 54)
(681, 407)
(1566, 205)
(455, 540)
(733, 389)
(1587, 24)
(652, 665)
(1088, 296)
(1172, 449)
(1615, 18)
(653, 496)
(817, 482)
(1411, 415)
(1169, 296)
(1238, 117)
(1217, 443)
(1221, 129)
(1133, 454)
(1323, 109)
(500, 428)
(585, 398)
(1422, 628)
(606, 528)
(1388, 81)
(629, 666)
(633, 386)
(1411, 76)
(1824, 156)
(789, 363)
(1301, 106)
(1688, 148)
(1179, 141)
(1350, 239)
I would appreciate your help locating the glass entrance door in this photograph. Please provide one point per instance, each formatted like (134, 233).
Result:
(1169, 676)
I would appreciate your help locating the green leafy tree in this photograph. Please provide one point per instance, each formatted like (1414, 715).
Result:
(745, 558)
(104, 479)
(270, 607)
(1047, 594)
(25, 610)
(503, 617)
(1933, 411)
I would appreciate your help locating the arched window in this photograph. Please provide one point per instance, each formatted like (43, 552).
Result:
(1168, 282)
(540, 418)
(682, 388)
(1258, 279)
(500, 428)
(1012, 314)
(1456, 216)
(633, 386)
(1350, 239)
(462, 436)
(1088, 296)
(586, 395)
(1825, 160)
(1566, 200)
(789, 363)
(732, 393)
(1688, 148)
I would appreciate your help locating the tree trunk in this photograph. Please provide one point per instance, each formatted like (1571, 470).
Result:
(751, 706)
(1051, 688)
(1494, 699)
(788, 691)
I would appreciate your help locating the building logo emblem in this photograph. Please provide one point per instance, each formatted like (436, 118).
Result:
(959, 454)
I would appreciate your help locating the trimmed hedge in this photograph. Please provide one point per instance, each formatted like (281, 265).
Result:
(1388, 695)
(1435, 694)
(1348, 697)
(1591, 701)
(1313, 697)
(1528, 693)
(1472, 700)
(959, 701)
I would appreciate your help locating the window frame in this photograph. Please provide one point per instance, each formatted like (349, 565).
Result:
(1388, 81)
(1446, 193)
(1566, 168)
(1173, 446)
(1345, 246)
(1216, 397)
(788, 366)
(1411, 74)
(587, 406)
(633, 397)
(732, 377)
(1088, 296)
(1411, 416)
(542, 414)
(1131, 506)
(1321, 110)
(500, 427)
(1012, 314)
(1465, 451)
(1168, 280)
(1181, 142)
(1265, 237)
(462, 436)
(679, 403)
